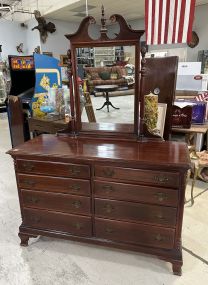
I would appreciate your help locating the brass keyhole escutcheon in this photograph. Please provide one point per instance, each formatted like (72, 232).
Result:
(33, 199)
(108, 188)
(158, 237)
(77, 204)
(29, 183)
(109, 230)
(78, 226)
(74, 170)
(75, 187)
(108, 172)
(108, 208)
(161, 196)
(28, 166)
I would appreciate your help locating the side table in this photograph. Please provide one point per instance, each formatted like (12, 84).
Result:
(105, 89)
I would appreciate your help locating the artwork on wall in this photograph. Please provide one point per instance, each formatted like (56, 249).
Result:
(48, 53)
(63, 60)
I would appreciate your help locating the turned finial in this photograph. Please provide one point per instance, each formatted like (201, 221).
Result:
(103, 28)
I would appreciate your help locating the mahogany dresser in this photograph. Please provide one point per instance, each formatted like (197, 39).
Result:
(127, 195)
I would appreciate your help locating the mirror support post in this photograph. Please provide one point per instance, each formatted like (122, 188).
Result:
(69, 72)
(141, 95)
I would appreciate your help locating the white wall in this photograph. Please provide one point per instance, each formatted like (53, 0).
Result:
(32, 37)
(56, 42)
(11, 35)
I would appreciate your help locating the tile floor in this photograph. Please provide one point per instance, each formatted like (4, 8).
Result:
(59, 262)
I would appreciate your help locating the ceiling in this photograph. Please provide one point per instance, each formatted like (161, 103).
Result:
(130, 9)
(75, 10)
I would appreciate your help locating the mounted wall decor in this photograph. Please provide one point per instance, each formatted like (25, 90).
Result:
(43, 27)
(20, 48)
(194, 40)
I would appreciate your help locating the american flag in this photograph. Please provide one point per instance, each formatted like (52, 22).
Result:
(169, 21)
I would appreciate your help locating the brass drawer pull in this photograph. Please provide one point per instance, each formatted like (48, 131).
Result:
(162, 179)
(74, 170)
(78, 226)
(29, 182)
(161, 196)
(158, 237)
(109, 230)
(28, 166)
(107, 188)
(33, 199)
(108, 208)
(75, 187)
(77, 204)
(108, 172)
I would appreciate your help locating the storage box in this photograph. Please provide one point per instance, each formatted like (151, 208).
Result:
(187, 112)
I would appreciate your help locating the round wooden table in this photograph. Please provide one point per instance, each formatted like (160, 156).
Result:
(105, 89)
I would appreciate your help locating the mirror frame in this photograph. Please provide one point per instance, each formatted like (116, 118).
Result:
(81, 39)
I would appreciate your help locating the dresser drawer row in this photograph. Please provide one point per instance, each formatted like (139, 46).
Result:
(136, 193)
(74, 224)
(167, 179)
(53, 168)
(135, 234)
(54, 184)
(57, 202)
(135, 212)
(104, 229)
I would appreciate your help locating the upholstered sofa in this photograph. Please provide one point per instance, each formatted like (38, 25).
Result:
(105, 75)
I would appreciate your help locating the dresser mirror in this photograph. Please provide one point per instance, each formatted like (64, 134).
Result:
(109, 76)
(109, 66)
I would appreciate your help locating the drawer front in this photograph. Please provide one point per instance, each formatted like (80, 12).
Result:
(53, 168)
(54, 184)
(57, 202)
(73, 224)
(168, 179)
(136, 193)
(134, 233)
(135, 212)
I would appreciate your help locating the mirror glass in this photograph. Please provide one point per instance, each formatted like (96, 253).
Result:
(106, 77)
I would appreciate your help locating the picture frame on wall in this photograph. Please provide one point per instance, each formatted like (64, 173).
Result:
(63, 60)
(48, 53)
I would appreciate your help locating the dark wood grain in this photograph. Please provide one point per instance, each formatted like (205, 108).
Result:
(156, 154)
(168, 179)
(74, 224)
(133, 233)
(135, 193)
(135, 212)
(57, 202)
(54, 184)
(51, 168)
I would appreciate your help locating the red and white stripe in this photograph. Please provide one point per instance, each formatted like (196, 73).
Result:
(168, 21)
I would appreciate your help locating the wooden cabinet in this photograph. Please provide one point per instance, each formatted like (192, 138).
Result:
(129, 199)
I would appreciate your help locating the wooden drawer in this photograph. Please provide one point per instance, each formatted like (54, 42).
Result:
(40, 219)
(54, 184)
(53, 168)
(135, 212)
(136, 193)
(134, 233)
(168, 179)
(57, 202)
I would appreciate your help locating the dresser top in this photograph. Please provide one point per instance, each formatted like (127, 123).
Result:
(151, 152)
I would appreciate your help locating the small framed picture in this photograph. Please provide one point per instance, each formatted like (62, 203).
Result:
(63, 60)
(48, 53)
(162, 107)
